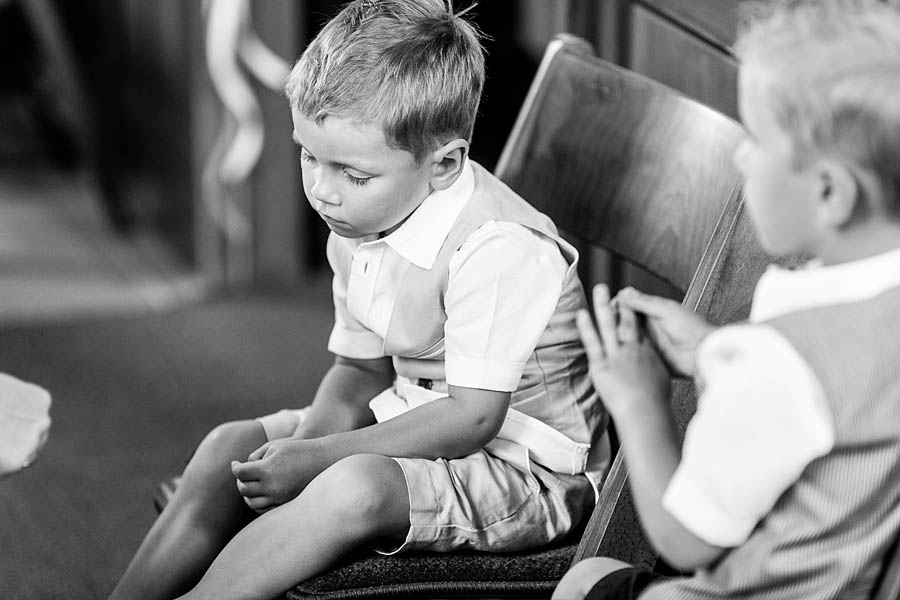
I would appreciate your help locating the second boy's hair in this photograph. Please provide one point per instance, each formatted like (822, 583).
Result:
(831, 72)
(412, 67)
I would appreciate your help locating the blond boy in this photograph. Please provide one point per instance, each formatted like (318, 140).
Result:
(459, 412)
(786, 484)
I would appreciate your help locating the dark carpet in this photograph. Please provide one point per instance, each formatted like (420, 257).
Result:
(132, 396)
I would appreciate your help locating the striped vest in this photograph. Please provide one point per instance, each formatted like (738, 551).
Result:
(555, 387)
(826, 537)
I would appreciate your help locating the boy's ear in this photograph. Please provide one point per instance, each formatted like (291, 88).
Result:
(839, 192)
(447, 163)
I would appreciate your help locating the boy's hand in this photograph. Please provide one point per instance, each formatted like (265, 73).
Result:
(675, 330)
(277, 472)
(24, 423)
(625, 367)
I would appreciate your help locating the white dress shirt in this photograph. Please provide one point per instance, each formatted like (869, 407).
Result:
(504, 284)
(762, 416)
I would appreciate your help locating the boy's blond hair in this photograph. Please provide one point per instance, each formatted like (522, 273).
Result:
(831, 72)
(411, 67)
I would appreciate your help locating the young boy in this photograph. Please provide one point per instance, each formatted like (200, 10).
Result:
(459, 412)
(786, 485)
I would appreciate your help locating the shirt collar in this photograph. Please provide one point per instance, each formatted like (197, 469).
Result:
(421, 236)
(781, 291)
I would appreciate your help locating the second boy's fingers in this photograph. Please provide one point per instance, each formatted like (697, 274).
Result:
(652, 306)
(588, 335)
(606, 318)
(628, 327)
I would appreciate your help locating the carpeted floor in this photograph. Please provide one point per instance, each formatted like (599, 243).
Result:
(132, 397)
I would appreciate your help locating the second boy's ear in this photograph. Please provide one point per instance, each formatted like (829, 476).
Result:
(447, 163)
(839, 192)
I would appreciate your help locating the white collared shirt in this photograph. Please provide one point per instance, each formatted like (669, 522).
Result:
(762, 416)
(504, 284)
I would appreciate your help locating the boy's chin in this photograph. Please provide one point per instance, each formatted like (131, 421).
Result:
(340, 228)
(344, 232)
(785, 254)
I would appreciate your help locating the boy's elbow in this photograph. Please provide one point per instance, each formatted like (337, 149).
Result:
(488, 425)
(481, 426)
(478, 417)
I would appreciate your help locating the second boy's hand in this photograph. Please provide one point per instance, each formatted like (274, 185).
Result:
(675, 330)
(631, 379)
(626, 369)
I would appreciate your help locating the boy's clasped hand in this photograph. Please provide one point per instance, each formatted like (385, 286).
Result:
(277, 472)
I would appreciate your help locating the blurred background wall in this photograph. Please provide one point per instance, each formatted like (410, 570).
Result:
(139, 110)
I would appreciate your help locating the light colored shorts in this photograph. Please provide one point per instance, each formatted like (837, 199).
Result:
(482, 502)
(283, 423)
(477, 502)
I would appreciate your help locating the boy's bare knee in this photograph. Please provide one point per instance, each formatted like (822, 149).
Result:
(209, 467)
(368, 493)
(233, 440)
(237, 434)
(579, 580)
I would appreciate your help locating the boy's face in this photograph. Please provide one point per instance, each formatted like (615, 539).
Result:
(356, 182)
(782, 200)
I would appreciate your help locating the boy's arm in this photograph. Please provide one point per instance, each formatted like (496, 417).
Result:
(446, 427)
(450, 427)
(652, 452)
(342, 401)
(633, 383)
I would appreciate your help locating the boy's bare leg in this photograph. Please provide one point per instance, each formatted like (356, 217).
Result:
(358, 499)
(584, 575)
(203, 514)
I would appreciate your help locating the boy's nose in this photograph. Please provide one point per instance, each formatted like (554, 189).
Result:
(322, 192)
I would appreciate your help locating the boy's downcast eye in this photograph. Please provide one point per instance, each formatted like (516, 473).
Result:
(356, 180)
(306, 157)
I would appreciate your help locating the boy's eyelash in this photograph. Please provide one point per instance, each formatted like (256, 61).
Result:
(356, 180)
(307, 157)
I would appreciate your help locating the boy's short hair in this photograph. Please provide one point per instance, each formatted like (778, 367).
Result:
(831, 72)
(412, 67)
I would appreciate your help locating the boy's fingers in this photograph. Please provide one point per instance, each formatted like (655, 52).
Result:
(245, 471)
(628, 328)
(589, 335)
(258, 503)
(652, 306)
(606, 318)
(249, 488)
(259, 452)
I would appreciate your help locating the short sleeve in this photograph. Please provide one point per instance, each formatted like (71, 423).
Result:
(761, 419)
(348, 337)
(504, 286)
